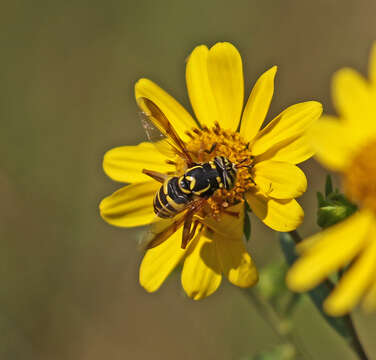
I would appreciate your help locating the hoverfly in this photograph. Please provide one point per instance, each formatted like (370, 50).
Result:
(181, 197)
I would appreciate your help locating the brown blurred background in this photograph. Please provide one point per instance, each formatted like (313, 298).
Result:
(69, 282)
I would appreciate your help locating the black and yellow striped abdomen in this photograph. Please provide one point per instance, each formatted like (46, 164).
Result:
(170, 200)
(201, 180)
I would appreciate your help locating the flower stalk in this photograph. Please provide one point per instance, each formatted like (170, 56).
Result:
(280, 324)
(343, 325)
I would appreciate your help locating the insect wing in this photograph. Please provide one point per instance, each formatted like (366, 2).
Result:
(155, 136)
(159, 130)
(161, 230)
(151, 130)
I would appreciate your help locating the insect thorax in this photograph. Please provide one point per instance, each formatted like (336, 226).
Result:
(200, 180)
(204, 179)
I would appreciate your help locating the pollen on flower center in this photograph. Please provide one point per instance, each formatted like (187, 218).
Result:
(206, 144)
(360, 177)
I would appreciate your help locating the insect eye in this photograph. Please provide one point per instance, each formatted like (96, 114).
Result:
(184, 183)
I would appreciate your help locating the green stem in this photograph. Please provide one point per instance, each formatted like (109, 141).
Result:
(291, 304)
(279, 325)
(353, 339)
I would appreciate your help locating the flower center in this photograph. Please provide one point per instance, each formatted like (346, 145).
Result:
(205, 145)
(360, 178)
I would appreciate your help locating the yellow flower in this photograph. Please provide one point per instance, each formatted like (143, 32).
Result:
(215, 86)
(346, 144)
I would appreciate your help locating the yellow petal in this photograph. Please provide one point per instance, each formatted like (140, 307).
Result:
(307, 244)
(179, 118)
(236, 263)
(130, 206)
(280, 215)
(228, 226)
(258, 105)
(290, 124)
(353, 284)
(335, 143)
(201, 274)
(225, 72)
(126, 163)
(336, 247)
(352, 97)
(199, 88)
(279, 180)
(372, 65)
(293, 151)
(158, 262)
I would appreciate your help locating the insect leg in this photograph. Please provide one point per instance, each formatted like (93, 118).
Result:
(211, 149)
(232, 213)
(188, 230)
(187, 234)
(191, 234)
(252, 180)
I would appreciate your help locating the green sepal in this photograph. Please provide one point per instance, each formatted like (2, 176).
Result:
(334, 207)
(247, 222)
(328, 185)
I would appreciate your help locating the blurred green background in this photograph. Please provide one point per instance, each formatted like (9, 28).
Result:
(69, 282)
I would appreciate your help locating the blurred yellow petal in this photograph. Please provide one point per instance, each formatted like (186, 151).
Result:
(372, 66)
(336, 247)
(293, 151)
(125, 163)
(201, 274)
(258, 105)
(333, 143)
(225, 72)
(354, 283)
(158, 262)
(289, 124)
(279, 180)
(199, 88)
(236, 263)
(130, 206)
(307, 244)
(228, 226)
(280, 215)
(179, 118)
(353, 100)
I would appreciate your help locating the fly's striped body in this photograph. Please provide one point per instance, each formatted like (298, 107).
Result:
(199, 181)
